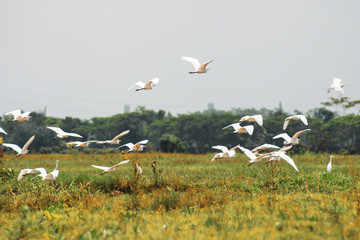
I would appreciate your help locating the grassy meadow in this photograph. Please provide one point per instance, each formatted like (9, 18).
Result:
(185, 197)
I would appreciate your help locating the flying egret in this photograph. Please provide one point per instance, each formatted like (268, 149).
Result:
(2, 131)
(137, 147)
(21, 151)
(226, 153)
(28, 171)
(328, 167)
(18, 116)
(197, 66)
(239, 129)
(253, 118)
(251, 155)
(294, 117)
(61, 134)
(338, 87)
(264, 147)
(49, 176)
(146, 86)
(110, 169)
(115, 140)
(293, 140)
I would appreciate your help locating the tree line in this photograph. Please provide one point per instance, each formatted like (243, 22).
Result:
(193, 132)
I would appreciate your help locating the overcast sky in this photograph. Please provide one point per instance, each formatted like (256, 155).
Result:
(78, 58)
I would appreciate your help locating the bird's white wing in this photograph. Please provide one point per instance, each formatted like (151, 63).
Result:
(22, 173)
(154, 81)
(27, 144)
(57, 130)
(265, 146)
(303, 119)
(100, 167)
(286, 123)
(336, 81)
(235, 126)
(140, 84)
(120, 163)
(13, 146)
(128, 145)
(15, 113)
(195, 62)
(74, 135)
(143, 142)
(296, 135)
(120, 135)
(284, 136)
(247, 152)
(25, 114)
(221, 148)
(258, 119)
(249, 129)
(287, 159)
(2, 131)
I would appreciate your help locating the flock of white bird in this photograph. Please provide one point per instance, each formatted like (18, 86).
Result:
(255, 155)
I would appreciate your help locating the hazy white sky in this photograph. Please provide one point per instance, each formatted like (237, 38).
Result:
(78, 58)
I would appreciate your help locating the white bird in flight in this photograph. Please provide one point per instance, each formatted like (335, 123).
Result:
(146, 86)
(293, 140)
(28, 171)
(226, 153)
(21, 151)
(110, 169)
(115, 140)
(137, 147)
(199, 68)
(253, 118)
(49, 176)
(61, 134)
(338, 87)
(2, 131)
(328, 167)
(295, 117)
(18, 116)
(239, 129)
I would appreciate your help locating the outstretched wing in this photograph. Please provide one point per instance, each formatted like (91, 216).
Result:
(100, 167)
(128, 145)
(195, 62)
(2, 131)
(13, 146)
(74, 135)
(120, 135)
(221, 148)
(15, 113)
(57, 130)
(27, 144)
(287, 159)
(249, 129)
(303, 119)
(283, 135)
(154, 81)
(235, 126)
(143, 142)
(247, 152)
(258, 119)
(296, 135)
(140, 84)
(286, 123)
(120, 163)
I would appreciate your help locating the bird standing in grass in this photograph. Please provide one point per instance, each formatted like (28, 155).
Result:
(199, 68)
(328, 167)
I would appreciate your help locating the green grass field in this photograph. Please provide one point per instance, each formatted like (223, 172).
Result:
(189, 197)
